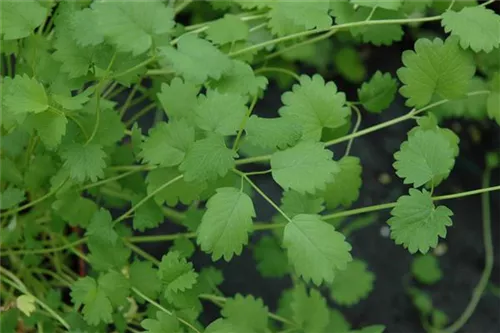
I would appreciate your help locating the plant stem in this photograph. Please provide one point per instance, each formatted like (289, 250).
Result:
(139, 114)
(130, 96)
(158, 306)
(488, 258)
(141, 252)
(243, 123)
(277, 70)
(136, 67)
(356, 126)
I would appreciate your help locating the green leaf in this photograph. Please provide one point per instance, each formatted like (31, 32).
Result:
(167, 143)
(75, 209)
(295, 203)
(493, 101)
(378, 93)
(315, 248)
(338, 323)
(344, 189)
(314, 105)
(349, 64)
(196, 59)
(423, 157)
(207, 159)
(226, 223)
(116, 287)
(148, 215)
(97, 307)
(272, 132)
(220, 113)
(164, 323)
(228, 29)
(104, 255)
(304, 168)
(133, 27)
(179, 191)
(476, 27)
(176, 273)
(224, 326)
(69, 102)
(50, 127)
(248, 312)
(84, 161)
(179, 99)
(26, 304)
(417, 223)
(435, 69)
(426, 269)
(271, 259)
(286, 17)
(144, 277)
(310, 312)
(19, 19)
(387, 4)
(184, 246)
(101, 226)
(11, 197)
(352, 284)
(74, 59)
(23, 95)
(85, 28)
(240, 79)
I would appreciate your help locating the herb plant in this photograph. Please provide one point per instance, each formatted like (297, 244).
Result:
(84, 176)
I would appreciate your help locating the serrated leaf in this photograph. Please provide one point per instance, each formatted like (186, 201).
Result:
(304, 168)
(167, 143)
(220, 113)
(207, 159)
(248, 312)
(24, 95)
(423, 157)
(315, 248)
(228, 29)
(349, 64)
(105, 255)
(196, 59)
(476, 27)
(387, 4)
(416, 223)
(225, 225)
(133, 26)
(74, 59)
(435, 69)
(101, 226)
(179, 191)
(272, 132)
(164, 322)
(11, 197)
(314, 105)
(84, 161)
(271, 259)
(179, 99)
(426, 269)
(224, 326)
(116, 287)
(176, 273)
(337, 323)
(50, 127)
(97, 307)
(69, 102)
(310, 312)
(144, 277)
(295, 203)
(352, 284)
(26, 304)
(378, 93)
(19, 19)
(344, 189)
(184, 246)
(240, 79)
(148, 215)
(85, 26)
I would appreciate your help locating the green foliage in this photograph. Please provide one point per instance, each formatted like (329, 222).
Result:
(120, 123)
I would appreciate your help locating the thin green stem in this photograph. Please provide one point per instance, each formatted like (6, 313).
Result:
(356, 126)
(107, 180)
(141, 252)
(160, 72)
(181, 7)
(158, 306)
(488, 258)
(160, 238)
(130, 96)
(253, 159)
(254, 173)
(109, 89)
(243, 123)
(46, 250)
(139, 114)
(136, 67)
(277, 70)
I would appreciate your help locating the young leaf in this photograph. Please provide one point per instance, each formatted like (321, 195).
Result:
(387, 4)
(97, 307)
(304, 168)
(270, 257)
(101, 226)
(310, 312)
(176, 273)
(435, 69)
(248, 312)
(179, 99)
(207, 159)
(148, 215)
(295, 203)
(85, 28)
(228, 29)
(426, 269)
(426, 155)
(24, 94)
(116, 287)
(378, 93)
(220, 113)
(286, 17)
(133, 26)
(196, 59)
(226, 223)
(240, 79)
(225, 326)
(314, 104)
(349, 64)
(19, 19)
(272, 132)
(104, 255)
(417, 223)
(144, 277)
(84, 161)
(353, 284)
(164, 322)
(344, 189)
(315, 248)
(476, 27)
(179, 191)
(167, 143)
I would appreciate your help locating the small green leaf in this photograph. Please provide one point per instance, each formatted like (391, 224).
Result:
(84, 161)
(11, 197)
(179, 191)
(144, 277)
(417, 223)
(426, 269)
(270, 257)
(24, 94)
(228, 29)
(352, 284)
(179, 99)
(19, 19)
(101, 226)
(344, 189)
(272, 132)
(310, 312)
(226, 223)
(26, 303)
(378, 93)
(387, 4)
(248, 312)
(176, 273)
